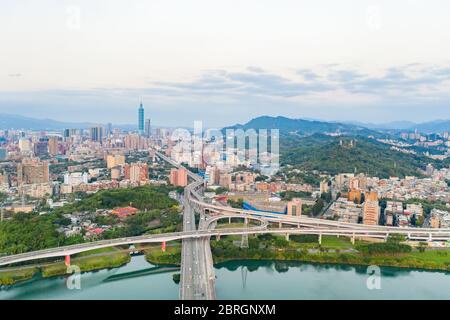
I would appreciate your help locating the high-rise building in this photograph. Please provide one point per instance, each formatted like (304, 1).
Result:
(97, 134)
(136, 172)
(24, 145)
(225, 180)
(32, 171)
(294, 207)
(148, 128)
(141, 126)
(371, 209)
(109, 130)
(41, 147)
(53, 145)
(66, 133)
(115, 160)
(178, 177)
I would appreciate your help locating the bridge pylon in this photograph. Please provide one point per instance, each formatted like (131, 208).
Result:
(244, 272)
(244, 240)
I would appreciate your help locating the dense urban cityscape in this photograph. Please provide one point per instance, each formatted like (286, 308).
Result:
(41, 171)
(211, 150)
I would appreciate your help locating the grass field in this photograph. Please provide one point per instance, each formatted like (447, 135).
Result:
(155, 255)
(14, 276)
(97, 261)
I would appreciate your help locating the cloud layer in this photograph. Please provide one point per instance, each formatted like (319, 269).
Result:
(221, 97)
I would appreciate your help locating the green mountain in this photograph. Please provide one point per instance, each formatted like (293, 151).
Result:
(351, 154)
(301, 127)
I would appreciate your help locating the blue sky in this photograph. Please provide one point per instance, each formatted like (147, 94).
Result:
(225, 61)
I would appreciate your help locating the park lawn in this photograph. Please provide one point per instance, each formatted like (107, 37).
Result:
(336, 243)
(438, 256)
(155, 255)
(11, 277)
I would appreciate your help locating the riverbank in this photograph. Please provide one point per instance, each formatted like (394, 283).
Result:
(107, 258)
(332, 251)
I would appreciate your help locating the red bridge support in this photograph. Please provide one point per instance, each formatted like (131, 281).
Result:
(67, 261)
(163, 247)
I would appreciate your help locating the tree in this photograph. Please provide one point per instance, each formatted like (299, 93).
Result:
(318, 206)
(422, 246)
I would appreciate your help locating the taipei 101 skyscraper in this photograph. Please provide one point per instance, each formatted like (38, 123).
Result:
(141, 119)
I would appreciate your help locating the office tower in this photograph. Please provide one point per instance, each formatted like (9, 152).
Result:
(97, 134)
(32, 171)
(66, 133)
(294, 207)
(141, 119)
(53, 146)
(116, 133)
(41, 147)
(148, 128)
(109, 130)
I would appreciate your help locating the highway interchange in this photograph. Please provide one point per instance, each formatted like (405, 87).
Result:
(197, 272)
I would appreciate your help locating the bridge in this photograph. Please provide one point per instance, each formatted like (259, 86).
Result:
(197, 272)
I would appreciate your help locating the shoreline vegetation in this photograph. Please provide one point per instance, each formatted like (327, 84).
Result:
(305, 249)
(332, 251)
(95, 260)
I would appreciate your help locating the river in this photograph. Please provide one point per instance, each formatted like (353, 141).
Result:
(243, 280)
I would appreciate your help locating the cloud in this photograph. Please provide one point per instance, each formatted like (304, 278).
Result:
(308, 74)
(253, 81)
(223, 97)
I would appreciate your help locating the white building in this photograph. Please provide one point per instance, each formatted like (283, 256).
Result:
(76, 178)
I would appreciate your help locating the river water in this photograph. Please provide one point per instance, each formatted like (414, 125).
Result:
(244, 280)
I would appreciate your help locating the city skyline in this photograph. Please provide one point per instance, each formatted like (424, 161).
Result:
(373, 63)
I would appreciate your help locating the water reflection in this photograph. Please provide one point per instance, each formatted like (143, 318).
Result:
(247, 279)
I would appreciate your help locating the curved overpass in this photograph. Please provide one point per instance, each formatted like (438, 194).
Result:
(311, 226)
(201, 234)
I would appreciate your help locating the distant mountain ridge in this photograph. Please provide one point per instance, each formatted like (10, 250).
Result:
(433, 126)
(12, 121)
(300, 126)
(311, 126)
(425, 127)
(394, 125)
(284, 124)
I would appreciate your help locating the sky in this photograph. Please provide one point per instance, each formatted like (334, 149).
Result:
(227, 61)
